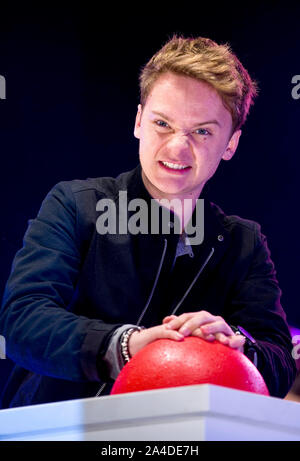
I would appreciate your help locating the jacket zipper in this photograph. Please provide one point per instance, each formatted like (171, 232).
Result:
(149, 299)
(194, 281)
(155, 283)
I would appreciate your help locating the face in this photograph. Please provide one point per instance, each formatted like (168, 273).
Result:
(184, 131)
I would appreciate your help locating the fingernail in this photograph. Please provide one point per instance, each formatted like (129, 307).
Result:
(210, 337)
(184, 331)
(179, 336)
(224, 340)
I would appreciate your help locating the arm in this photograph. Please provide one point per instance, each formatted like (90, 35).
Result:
(254, 304)
(41, 334)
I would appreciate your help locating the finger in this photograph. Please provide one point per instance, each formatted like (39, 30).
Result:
(162, 332)
(234, 341)
(140, 339)
(171, 334)
(237, 342)
(199, 334)
(177, 322)
(219, 326)
(168, 318)
(222, 338)
(198, 320)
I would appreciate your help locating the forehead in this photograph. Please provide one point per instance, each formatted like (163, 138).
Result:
(183, 97)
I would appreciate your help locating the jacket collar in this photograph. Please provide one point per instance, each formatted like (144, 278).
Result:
(215, 232)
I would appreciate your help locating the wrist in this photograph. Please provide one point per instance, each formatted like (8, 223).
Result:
(250, 345)
(126, 351)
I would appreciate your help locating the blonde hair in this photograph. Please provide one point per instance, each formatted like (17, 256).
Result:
(203, 59)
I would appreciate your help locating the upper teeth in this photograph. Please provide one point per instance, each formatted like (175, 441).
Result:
(175, 166)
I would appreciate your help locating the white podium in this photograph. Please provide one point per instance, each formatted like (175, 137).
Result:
(189, 413)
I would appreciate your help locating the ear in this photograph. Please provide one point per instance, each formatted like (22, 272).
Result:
(137, 125)
(232, 145)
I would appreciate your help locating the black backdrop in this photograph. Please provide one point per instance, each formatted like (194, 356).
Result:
(71, 95)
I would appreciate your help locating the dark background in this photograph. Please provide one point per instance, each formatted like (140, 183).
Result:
(72, 90)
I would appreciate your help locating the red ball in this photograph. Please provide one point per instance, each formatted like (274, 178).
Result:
(167, 363)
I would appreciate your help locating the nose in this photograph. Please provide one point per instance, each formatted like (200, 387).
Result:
(179, 142)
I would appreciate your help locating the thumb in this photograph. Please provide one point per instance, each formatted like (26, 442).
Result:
(168, 318)
(140, 339)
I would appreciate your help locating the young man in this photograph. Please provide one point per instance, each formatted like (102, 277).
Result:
(78, 294)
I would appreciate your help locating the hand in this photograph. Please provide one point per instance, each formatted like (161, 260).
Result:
(140, 339)
(207, 326)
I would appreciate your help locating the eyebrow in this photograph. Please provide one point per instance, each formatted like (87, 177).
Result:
(169, 119)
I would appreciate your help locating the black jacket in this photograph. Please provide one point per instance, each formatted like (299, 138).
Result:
(70, 288)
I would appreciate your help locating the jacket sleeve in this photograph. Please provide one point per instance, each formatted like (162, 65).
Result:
(41, 334)
(255, 305)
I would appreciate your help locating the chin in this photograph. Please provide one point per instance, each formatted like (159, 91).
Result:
(171, 189)
(166, 186)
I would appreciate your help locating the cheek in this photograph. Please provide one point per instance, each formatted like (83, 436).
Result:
(146, 151)
(150, 143)
(208, 159)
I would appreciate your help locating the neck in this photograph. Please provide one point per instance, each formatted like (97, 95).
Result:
(182, 204)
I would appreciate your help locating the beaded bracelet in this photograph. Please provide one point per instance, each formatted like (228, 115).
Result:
(124, 342)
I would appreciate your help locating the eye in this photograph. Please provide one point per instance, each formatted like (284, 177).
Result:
(202, 131)
(161, 124)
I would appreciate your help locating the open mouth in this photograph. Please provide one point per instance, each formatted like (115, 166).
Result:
(175, 167)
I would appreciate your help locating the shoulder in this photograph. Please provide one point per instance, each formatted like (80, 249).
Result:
(83, 194)
(75, 201)
(237, 225)
(71, 206)
(99, 186)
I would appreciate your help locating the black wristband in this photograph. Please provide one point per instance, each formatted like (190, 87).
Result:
(250, 346)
